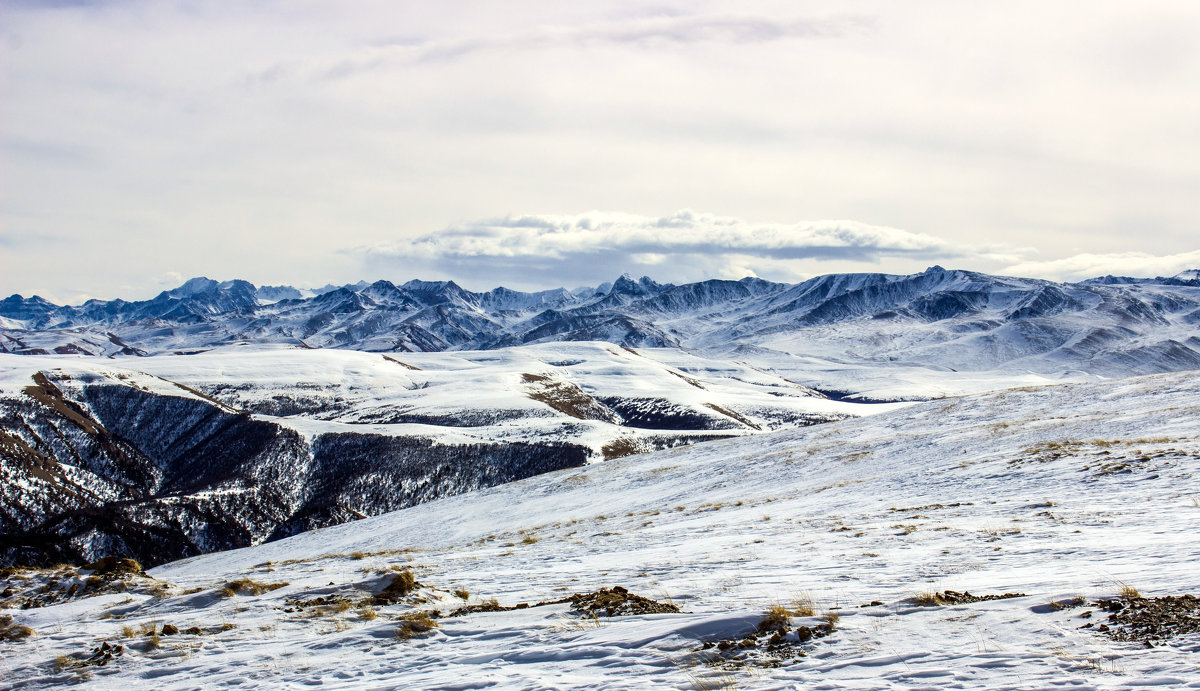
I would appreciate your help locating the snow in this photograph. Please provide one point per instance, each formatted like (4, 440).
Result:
(939, 324)
(1052, 491)
(457, 397)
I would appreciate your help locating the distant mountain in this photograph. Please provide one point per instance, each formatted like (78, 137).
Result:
(940, 318)
(1191, 277)
(267, 294)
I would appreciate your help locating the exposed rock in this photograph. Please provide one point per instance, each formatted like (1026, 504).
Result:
(1150, 620)
(953, 597)
(617, 602)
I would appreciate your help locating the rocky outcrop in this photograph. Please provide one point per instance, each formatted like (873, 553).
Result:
(88, 470)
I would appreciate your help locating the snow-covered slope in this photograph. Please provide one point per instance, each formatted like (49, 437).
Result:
(506, 393)
(1063, 494)
(189, 454)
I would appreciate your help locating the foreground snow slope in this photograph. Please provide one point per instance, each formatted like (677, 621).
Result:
(1052, 492)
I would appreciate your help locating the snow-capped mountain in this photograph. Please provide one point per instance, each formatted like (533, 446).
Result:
(938, 320)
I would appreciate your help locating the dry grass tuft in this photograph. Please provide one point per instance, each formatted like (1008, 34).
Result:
(804, 604)
(159, 589)
(711, 681)
(153, 642)
(64, 662)
(112, 566)
(776, 618)
(1127, 591)
(10, 630)
(401, 584)
(414, 625)
(147, 629)
(928, 598)
(245, 586)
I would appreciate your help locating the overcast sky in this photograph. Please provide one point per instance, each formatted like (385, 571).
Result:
(538, 144)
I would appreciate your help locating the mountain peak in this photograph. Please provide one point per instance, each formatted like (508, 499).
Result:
(193, 286)
(628, 286)
(417, 284)
(275, 293)
(17, 307)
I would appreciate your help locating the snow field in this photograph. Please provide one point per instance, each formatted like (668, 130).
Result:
(1054, 492)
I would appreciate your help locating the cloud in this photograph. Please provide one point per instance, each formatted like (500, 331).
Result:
(639, 33)
(15, 241)
(596, 246)
(1135, 264)
(1063, 130)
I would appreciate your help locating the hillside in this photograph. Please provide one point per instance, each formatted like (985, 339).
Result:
(1058, 495)
(190, 454)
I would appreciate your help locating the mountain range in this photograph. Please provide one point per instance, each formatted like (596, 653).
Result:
(948, 319)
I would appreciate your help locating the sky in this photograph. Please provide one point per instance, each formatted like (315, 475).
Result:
(545, 144)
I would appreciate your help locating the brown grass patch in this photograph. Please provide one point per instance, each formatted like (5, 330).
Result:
(621, 447)
(804, 604)
(565, 397)
(401, 584)
(414, 625)
(10, 630)
(776, 618)
(246, 586)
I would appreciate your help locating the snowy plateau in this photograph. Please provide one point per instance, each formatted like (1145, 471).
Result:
(867, 481)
